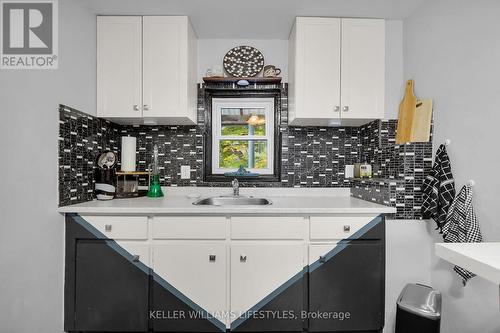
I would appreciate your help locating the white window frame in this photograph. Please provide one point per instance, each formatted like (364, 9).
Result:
(237, 103)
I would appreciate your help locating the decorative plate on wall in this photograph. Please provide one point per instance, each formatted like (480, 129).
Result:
(243, 61)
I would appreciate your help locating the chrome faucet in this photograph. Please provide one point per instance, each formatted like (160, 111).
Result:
(236, 187)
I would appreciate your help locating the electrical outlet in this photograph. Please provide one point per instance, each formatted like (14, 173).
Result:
(185, 172)
(349, 171)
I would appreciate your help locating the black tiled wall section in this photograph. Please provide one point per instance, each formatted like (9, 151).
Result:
(311, 156)
(81, 139)
(400, 169)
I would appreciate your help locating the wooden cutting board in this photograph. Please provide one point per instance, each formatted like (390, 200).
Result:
(421, 127)
(407, 110)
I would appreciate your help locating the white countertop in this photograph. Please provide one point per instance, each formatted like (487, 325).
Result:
(285, 201)
(482, 259)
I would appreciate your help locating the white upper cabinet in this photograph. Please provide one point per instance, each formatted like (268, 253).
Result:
(170, 63)
(363, 69)
(315, 56)
(119, 66)
(164, 77)
(336, 71)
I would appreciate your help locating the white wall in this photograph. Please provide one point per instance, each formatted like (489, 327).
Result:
(453, 52)
(31, 231)
(394, 78)
(408, 260)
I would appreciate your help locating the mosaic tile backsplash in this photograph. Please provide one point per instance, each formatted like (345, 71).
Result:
(399, 169)
(311, 156)
(81, 139)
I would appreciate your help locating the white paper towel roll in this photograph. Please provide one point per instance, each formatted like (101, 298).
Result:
(129, 145)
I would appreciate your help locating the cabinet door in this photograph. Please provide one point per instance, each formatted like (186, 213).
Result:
(166, 54)
(189, 286)
(363, 68)
(111, 291)
(267, 288)
(119, 66)
(317, 70)
(346, 286)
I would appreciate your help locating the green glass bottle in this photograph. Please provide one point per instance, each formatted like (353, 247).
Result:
(154, 182)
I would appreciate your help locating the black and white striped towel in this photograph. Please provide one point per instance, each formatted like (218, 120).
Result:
(461, 226)
(438, 189)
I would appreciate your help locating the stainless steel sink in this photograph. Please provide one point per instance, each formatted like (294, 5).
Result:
(233, 201)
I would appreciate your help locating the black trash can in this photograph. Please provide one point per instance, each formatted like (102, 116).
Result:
(418, 310)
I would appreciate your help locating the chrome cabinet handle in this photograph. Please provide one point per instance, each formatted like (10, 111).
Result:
(345, 109)
(212, 257)
(243, 258)
(136, 107)
(146, 107)
(322, 259)
(108, 227)
(135, 258)
(347, 228)
(336, 108)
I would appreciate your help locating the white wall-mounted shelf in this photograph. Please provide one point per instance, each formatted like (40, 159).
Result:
(482, 259)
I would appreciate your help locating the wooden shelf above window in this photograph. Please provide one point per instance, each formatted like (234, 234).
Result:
(268, 80)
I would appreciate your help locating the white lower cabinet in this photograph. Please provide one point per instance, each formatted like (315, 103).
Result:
(195, 269)
(266, 276)
(139, 251)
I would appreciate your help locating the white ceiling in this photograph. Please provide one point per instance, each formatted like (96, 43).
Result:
(254, 19)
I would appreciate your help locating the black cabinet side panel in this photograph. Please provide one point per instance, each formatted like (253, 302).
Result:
(111, 293)
(351, 281)
(74, 231)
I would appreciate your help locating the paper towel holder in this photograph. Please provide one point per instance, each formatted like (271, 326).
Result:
(128, 153)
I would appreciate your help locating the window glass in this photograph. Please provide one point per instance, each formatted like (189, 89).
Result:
(242, 121)
(243, 135)
(251, 154)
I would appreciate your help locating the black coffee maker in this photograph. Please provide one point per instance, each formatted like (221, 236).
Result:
(105, 176)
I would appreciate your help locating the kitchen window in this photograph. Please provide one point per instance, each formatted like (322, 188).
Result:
(243, 134)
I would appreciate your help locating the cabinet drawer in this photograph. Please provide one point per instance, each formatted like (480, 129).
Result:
(189, 227)
(337, 227)
(120, 227)
(267, 227)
